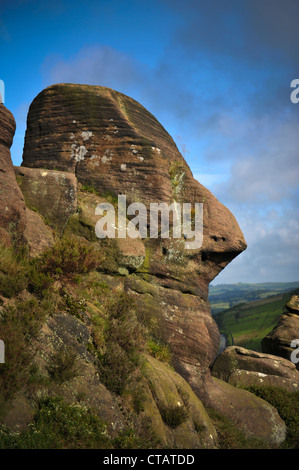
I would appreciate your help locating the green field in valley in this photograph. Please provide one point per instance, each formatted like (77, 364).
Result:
(248, 323)
(223, 296)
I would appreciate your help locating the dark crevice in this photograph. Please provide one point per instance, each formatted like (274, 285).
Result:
(217, 239)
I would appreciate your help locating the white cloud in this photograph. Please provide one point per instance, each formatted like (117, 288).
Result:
(94, 65)
(273, 247)
(265, 168)
(248, 149)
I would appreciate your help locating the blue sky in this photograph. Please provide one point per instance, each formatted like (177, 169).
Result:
(216, 74)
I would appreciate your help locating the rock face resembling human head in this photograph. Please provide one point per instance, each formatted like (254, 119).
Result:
(113, 144)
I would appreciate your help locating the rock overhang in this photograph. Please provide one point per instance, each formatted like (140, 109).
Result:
(111, 142)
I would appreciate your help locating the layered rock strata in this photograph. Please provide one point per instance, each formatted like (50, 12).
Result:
(12, 207)
(114, 145)
(242, 367)
(111, 145)
(284, 338)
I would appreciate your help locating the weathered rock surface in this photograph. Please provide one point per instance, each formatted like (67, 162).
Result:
(37, 234)
(179, 318)
(163, 389)
(12, 207)
(52, 193)
(242, 367)
(254, 416)
(112, 143)
(132, 253)
(166, 389)
(279, 340)
(293, 305)
(67, 333)
(123, 150)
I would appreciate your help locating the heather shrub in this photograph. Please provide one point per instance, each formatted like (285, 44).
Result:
(12, 272)
(287, 405)
(58, 425)
(124, 342)
(62, 366)
(159, 350)
(173, 415)
(230, 436)
(70, 256)
(19, 324)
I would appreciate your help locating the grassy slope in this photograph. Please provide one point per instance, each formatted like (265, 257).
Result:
(224, 296)
(249, 323)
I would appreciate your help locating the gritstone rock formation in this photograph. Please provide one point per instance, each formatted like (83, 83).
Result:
(85, 145)
(18, 224)
(242, 367)
(12, 207)
(279, 340)
(52, 193)
(112, 143)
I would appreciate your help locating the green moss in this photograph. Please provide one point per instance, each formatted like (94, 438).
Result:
(58, 425)
(148, 314)
(76, 226)
(84, 101)
(230, 436)
(159, 350)
(173, 416)
(287, 405)
(110, 197)
(111, 256)
(124, 344)
(19, 325)
(75, 306)
(62, 366)
(138, 399)
(68, 257)
(140, 436)
(147, 259)
(19, 179)
(89, 188)
(177, 173)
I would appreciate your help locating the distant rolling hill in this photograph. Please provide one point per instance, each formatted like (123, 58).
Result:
(224, 296)
(248, 323)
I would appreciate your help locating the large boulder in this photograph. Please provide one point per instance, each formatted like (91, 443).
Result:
(293, 304)
(85, 145)
(53, 194)
(254, 416)
(37, 234)
(167, 393)
(115, 146)
(280, 340)
(12, 206)
(176, 415)
(243, 368)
